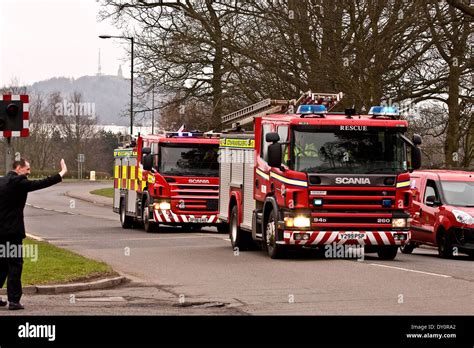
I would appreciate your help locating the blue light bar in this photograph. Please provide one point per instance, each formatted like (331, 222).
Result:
(311, 109)
(384, 111)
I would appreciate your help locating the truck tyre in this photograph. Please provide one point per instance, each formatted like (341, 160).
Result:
(407, 248)
(239, 239)
(387, 252)
(274, 250)
(445, 249)
(148, 225)
(125, 221)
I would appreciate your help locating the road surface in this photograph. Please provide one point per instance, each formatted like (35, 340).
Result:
(201, 268)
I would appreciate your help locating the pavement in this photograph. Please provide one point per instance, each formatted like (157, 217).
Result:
(199, 272)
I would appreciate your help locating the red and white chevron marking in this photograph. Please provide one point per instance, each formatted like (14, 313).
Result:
(329, 237)
(165, 216)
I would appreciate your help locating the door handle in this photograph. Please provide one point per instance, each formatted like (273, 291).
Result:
(421, 212)
(257, 183)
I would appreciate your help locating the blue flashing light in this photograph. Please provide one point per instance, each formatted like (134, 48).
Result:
(386, 203)
(318, 202)
(311, 109)
(384, 111)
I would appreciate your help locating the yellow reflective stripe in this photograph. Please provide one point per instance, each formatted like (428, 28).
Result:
(262, 174)
(140, 174)
(289, 181)
(151, 178)
(124, 172)
(143, 184)
(132, 172)
(237, 143)
(403, 184)
(116, 172)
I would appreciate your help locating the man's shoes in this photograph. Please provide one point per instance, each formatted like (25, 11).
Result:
(2, 303)
(14, 306)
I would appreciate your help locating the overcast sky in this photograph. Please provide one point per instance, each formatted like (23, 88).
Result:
(40, 39)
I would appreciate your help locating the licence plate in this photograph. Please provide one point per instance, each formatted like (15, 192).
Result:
(197, 220)
(351, 235)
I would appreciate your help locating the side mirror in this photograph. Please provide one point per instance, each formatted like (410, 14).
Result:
(416, 139)
(274, 154)
(146, 150)
(432, 202)
(415, 158)
(272, 137)
(148, 162)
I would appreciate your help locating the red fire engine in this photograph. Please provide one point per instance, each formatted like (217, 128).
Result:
(313, 178)
(170, 179)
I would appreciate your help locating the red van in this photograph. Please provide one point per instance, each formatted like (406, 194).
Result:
(442, 212)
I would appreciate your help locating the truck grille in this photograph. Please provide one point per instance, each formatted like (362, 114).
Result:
(194, 198)
(353, 199)
(352, 208)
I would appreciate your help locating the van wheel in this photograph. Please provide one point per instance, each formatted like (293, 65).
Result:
(239, 239)
(125, 221)
(148, 225)
(274, 250)
(407, 248)
(445, 249)
(387, 252)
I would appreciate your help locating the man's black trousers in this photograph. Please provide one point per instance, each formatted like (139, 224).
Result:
(11, 267)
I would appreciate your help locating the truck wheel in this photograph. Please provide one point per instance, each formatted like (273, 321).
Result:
(274, 250)
(148, 225)
(387, 252)
(240, 239)
(445, 250)
(125, 221)
(407, 248)
(223, 228)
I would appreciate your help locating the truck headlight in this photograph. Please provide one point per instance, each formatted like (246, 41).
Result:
(297, 221)
(162, 206)
(302, 221)
(399, 223)
(463, 217)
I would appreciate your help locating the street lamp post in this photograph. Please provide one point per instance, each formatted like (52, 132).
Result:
(132, 41)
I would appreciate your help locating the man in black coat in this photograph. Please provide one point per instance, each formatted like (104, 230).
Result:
(14, 188)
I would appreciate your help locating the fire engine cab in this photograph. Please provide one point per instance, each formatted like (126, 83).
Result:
(169, 179)
(308, 177)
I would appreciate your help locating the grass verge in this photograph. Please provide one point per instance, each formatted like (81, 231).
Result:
(106, 192)
(59, 266)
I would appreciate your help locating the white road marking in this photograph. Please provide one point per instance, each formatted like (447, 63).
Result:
(411, 270)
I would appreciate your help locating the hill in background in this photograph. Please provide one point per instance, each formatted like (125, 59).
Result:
(109, 93)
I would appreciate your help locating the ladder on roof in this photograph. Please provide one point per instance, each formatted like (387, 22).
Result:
(275, 106)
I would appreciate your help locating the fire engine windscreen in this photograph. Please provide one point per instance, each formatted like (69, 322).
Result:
(365, 150)
(188, 160)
